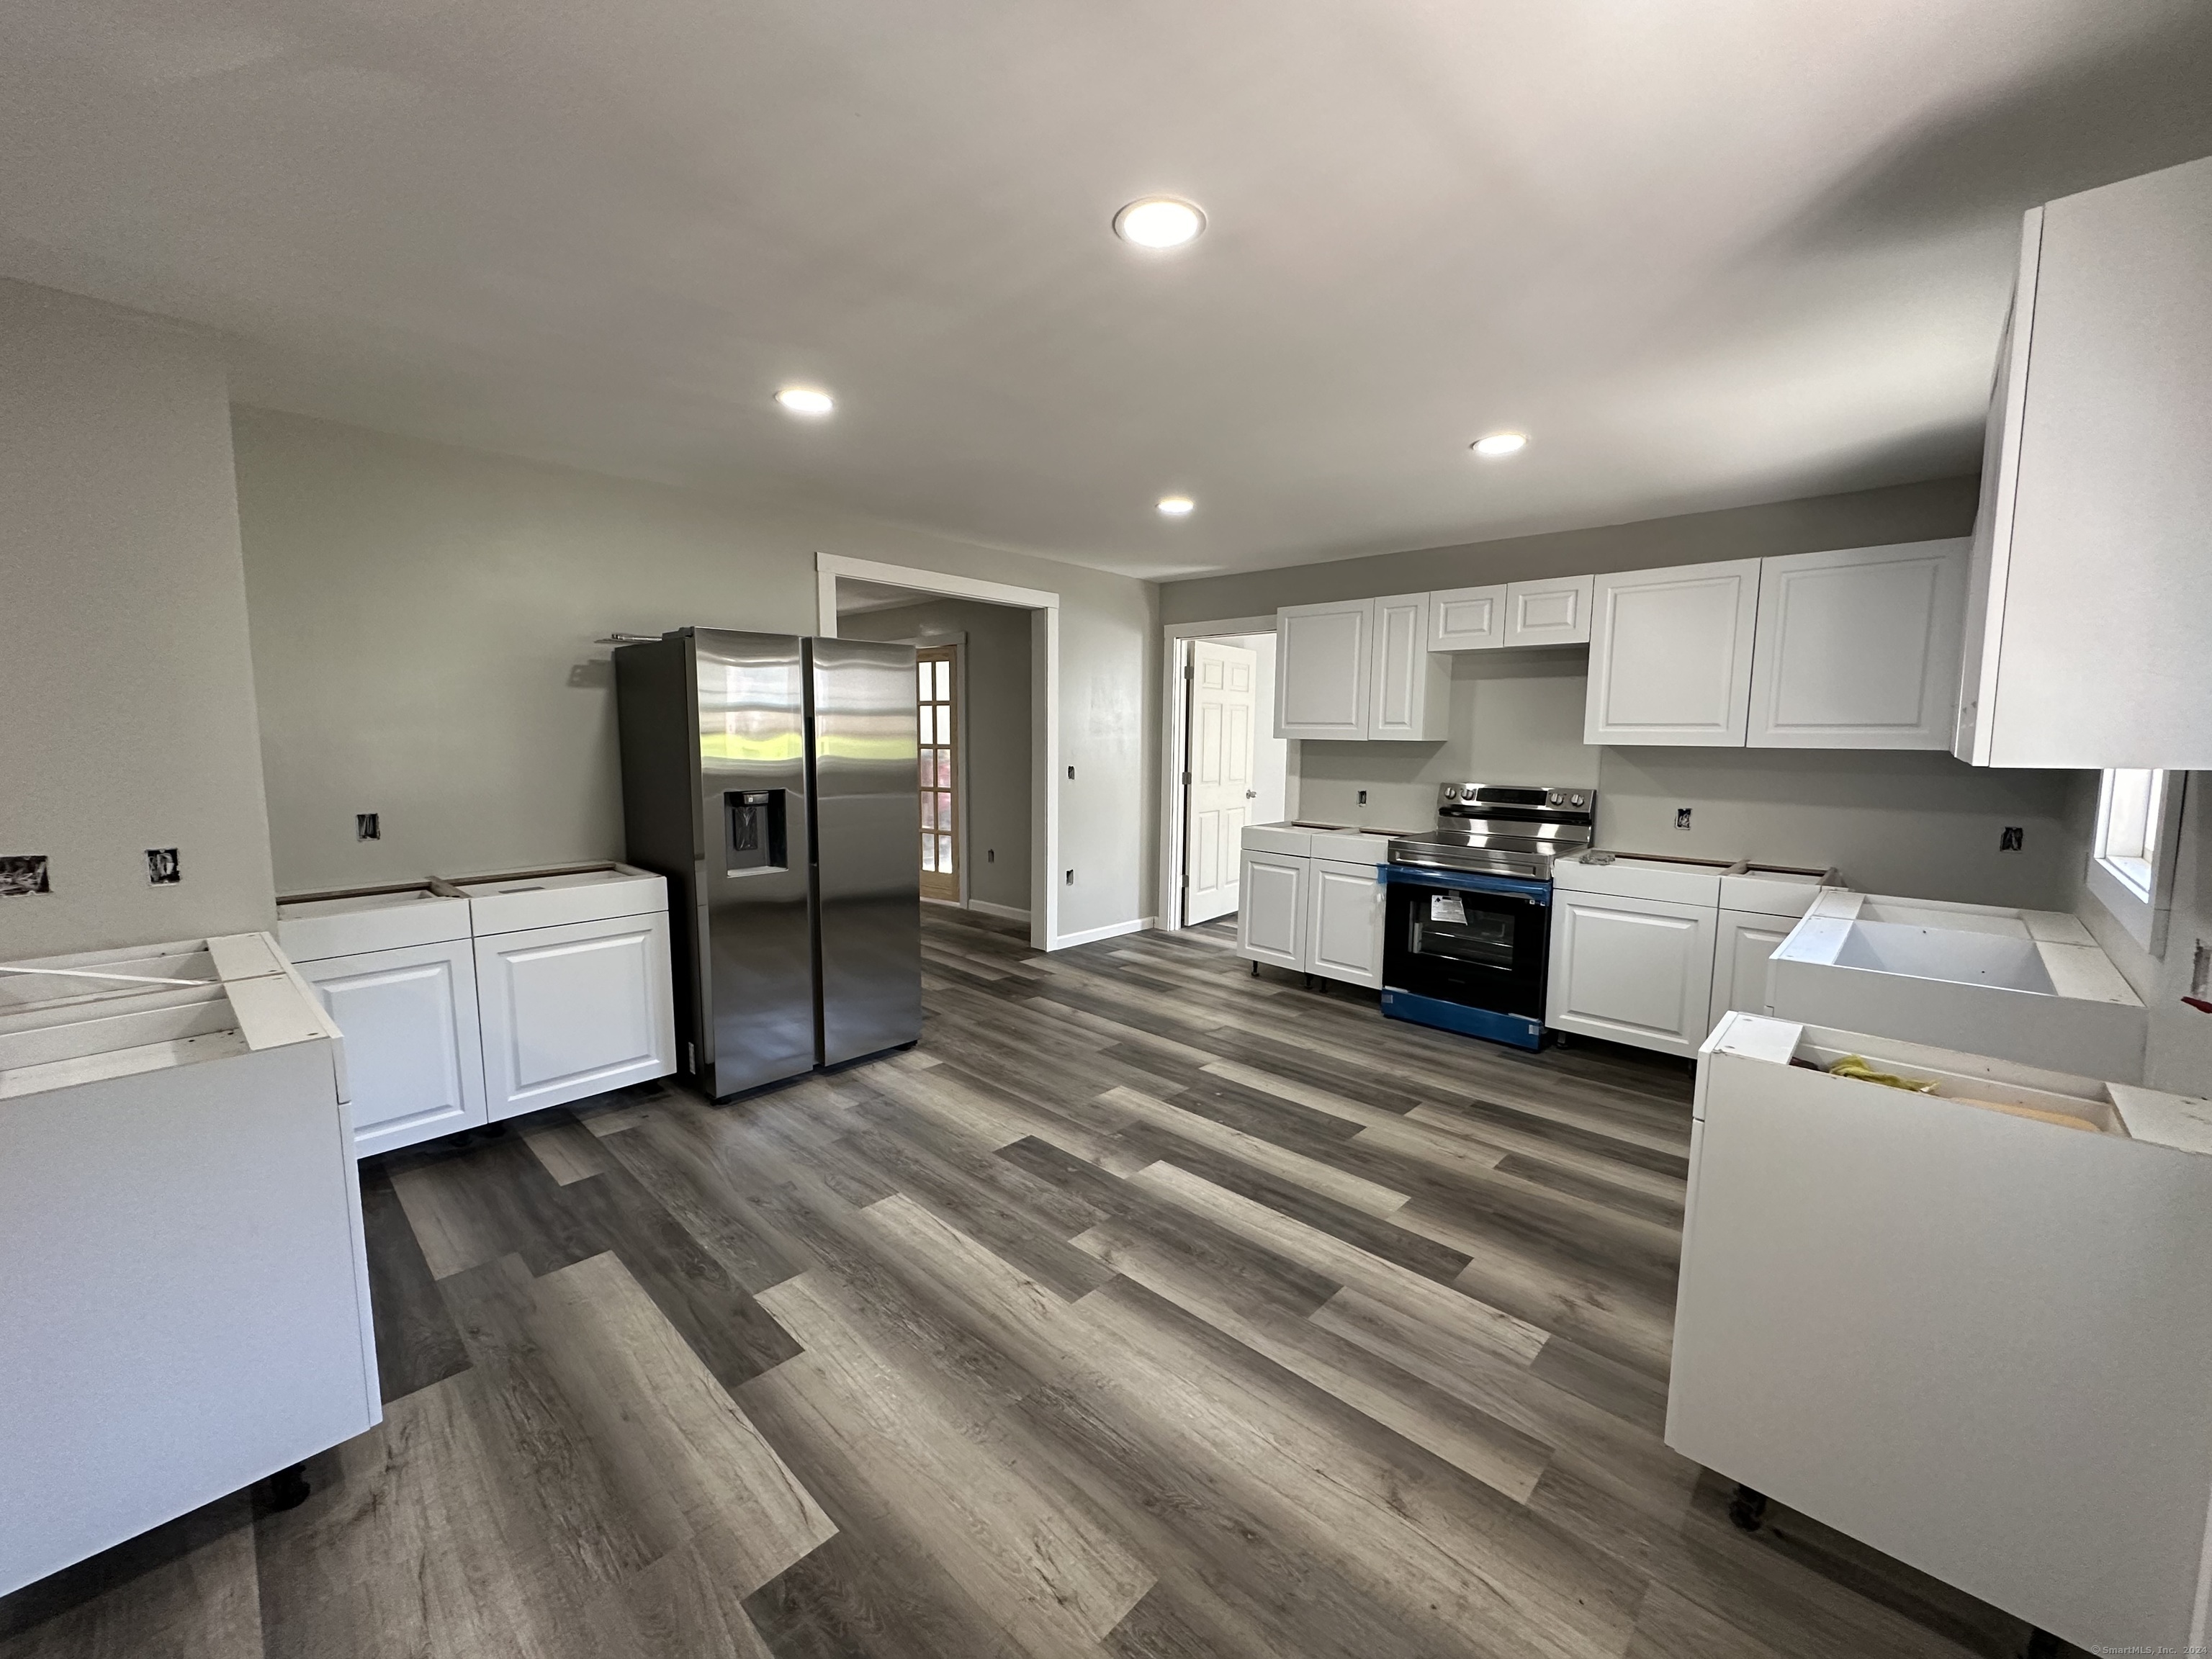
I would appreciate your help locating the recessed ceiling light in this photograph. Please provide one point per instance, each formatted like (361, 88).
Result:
(1159, 221)
(1176, 506)
(806, 400)
(1500, 443)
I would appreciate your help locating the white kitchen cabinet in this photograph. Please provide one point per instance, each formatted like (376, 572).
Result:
(1412, 699)
(1635, 970)
(1360, 670)
(1671, 655)
(1324, 666)
(575, 1010)
(1858, 648)
(1271, 913)
(1742, 942)
(2088, 615)
(1344, 939)
(412, 1050)
(1554, 612)
(1466, 619)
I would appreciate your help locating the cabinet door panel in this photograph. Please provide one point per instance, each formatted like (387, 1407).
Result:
(1322, 665)
(1345, 940)
(1859, 648)
(1466, 619)
(1634, 970)
(1671, 655)
(1555, 612)
(1272, 908)
(575, 1010)
(413, 1063)
(1411, 687)
(1744, 943)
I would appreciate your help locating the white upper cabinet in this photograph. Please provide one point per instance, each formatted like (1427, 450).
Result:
(2090, 616)
(1466, 619)
(1859, 648)
(1555, 612)
(1324, 659)
(1671, 655)
(1413, 688)
(1359, 668)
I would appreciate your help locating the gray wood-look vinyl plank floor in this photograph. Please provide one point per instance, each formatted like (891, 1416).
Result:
(1146, 1309)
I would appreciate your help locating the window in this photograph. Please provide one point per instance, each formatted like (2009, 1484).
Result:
(935, 679)
(2131, 856)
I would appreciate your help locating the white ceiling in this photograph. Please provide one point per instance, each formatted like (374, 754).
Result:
(1705, 253)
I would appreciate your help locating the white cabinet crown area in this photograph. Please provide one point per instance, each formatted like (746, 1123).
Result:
(1360, 669)
(2089, 617)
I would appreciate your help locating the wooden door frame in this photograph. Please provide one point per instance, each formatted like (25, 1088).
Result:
(1044, 706)
(1174, 705)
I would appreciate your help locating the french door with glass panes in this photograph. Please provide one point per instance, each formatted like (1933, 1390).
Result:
(936, 682)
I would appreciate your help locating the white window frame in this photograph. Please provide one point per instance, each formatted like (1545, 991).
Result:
(2132, 852)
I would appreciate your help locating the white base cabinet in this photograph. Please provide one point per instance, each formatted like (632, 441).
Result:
(1271, 914)
(410, 1019)
(1742, 942)
(575, 1010)
(1345, 939)
(1634, 970)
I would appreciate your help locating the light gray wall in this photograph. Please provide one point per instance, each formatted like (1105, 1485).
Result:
(1866, 518)
(422, 626)
(2180, 1057)
(995, 730)
(1915, 823)
(129, 719)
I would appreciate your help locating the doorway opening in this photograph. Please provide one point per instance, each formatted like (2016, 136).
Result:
(1224, 766)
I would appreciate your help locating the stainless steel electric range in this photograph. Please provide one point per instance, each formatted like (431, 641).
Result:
(1468, 909)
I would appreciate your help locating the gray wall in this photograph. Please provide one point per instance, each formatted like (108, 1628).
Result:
(996, 730)
(129, 716)
(1867, 518)
(422, 626)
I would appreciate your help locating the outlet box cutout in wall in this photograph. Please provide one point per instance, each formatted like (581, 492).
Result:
(2013, 839)
(367, 826)
(162, 869)
(23, 874)
(1681, 817)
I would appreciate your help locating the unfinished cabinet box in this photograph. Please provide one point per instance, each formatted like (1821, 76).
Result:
(1858, 649)
(185, 1295)
(1973, 1339)
(1671, 655)
(397, 970)
(573, 984)
(2088, 615)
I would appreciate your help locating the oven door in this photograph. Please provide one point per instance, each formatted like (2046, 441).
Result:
(1480, 941)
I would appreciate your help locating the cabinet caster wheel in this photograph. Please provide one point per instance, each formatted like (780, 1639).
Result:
(1256, 970)
(1746, 1508)
(2041, 1644)
(286, 1489)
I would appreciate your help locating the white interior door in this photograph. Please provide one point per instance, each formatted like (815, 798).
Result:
(1224, 685)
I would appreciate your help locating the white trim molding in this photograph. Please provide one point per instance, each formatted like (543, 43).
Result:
(1044, 705)
(1111, 930)
(1175, 638)
(1003, 912)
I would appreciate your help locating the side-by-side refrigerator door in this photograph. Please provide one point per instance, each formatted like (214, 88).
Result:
(753, 878)
(867, 830)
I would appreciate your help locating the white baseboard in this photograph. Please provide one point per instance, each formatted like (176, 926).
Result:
(1004, 912)
(1111, 930)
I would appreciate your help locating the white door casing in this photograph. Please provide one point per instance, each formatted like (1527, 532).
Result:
(413, 1061)
(1223, 691)
(573, 1011)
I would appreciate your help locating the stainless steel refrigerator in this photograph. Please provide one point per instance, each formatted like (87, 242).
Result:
(772, 779)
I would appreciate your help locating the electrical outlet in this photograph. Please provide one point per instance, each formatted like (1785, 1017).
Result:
(2013, 839)
(1681, 817)
(22, 873)
(162, 869)
(367, 826)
